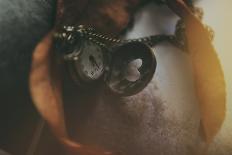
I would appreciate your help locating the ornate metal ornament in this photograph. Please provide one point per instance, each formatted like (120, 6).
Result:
(92, 57)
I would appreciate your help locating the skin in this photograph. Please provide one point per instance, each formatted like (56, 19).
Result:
(46, 81)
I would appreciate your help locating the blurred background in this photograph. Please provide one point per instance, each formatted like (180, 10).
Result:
(24, 22)
(218, 15)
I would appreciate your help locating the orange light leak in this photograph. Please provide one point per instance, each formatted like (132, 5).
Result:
(218, 14)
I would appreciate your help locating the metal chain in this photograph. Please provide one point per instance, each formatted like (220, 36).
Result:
(104, 41)
(178, 39)
(68, 32)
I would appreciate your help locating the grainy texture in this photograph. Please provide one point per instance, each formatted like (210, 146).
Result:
(156, 120)
(132, 128)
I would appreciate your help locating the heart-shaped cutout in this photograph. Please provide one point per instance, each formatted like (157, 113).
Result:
(132, 73)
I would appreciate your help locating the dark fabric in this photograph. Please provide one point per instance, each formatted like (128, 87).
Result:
(22, 24)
